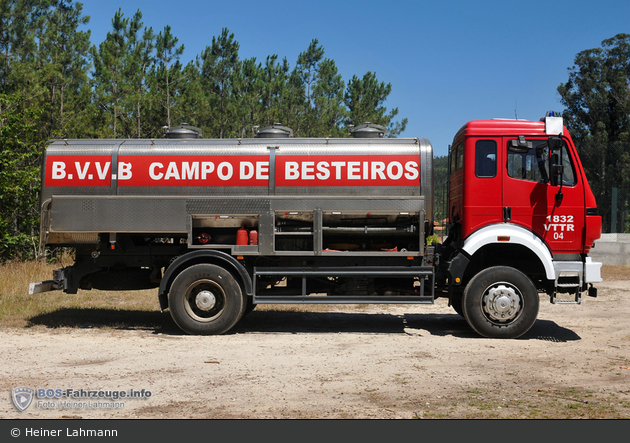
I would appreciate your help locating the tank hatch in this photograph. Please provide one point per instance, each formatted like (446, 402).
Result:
(369, 130)
(274, 131)
(184, 130)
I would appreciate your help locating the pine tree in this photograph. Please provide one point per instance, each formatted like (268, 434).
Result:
(62, 65)
(111, 85)
(307, 69)
(141, 60)
(248, 92)
(219, 62)
(193, 101)
(365, 98)
(328, 108)
(167, 69)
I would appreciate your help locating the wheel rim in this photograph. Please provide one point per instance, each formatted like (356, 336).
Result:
(502, 303)
(204, 300)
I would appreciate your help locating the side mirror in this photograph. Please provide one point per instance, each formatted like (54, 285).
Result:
(519, 146)
(556, 168)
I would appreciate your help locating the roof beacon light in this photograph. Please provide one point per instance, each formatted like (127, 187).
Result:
(553, 124)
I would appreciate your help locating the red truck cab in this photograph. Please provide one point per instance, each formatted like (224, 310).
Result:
(518, 195)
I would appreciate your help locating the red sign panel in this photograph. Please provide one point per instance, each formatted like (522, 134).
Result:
(193, 170)
(233, 170)
(78, 170)
(347, 170)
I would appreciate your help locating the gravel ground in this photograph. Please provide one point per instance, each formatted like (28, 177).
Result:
(347, 362)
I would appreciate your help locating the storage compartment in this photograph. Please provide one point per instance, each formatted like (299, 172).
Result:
(224, 230)
(293, 231)
(371, 232)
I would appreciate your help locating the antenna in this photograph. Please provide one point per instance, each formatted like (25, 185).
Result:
(515, 110)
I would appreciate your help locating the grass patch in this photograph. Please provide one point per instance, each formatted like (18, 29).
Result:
(117, 309)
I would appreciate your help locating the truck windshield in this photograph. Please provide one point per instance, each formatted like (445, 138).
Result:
(534, 164)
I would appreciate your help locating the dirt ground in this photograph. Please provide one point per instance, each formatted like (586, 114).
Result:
(348, 362)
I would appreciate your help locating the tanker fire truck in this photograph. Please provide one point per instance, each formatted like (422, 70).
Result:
(222, 225)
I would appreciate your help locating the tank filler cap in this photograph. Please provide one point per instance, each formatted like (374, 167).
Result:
(369, 130)
(274, 131)
(184, 130)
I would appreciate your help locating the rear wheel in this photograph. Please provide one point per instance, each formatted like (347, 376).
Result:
(206, 300)
(500, 302)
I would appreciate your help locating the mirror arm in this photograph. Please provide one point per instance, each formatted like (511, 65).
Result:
(555, 143)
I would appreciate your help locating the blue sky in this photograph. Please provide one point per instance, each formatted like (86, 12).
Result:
(448, 62)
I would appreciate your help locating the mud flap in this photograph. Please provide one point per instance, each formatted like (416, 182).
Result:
(456, 269)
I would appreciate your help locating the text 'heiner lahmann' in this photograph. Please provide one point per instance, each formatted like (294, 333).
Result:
(32, 432)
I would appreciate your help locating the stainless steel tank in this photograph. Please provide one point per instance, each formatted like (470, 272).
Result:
(177, 186)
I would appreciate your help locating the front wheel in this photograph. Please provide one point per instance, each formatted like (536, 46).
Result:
(206, 300)
(500, 302)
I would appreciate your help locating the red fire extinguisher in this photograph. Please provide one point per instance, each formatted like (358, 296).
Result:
(253, 237)
(241, 236)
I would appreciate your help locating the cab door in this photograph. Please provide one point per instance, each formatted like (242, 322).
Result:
(482, 195)
(531, 199)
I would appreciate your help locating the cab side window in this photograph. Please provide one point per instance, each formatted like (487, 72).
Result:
(533, 165)
(457, 158)
(568, 175)
(486, 158)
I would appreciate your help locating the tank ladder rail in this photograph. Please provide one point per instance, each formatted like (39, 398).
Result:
(423, 272)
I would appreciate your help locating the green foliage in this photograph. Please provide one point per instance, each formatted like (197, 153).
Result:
(440, 187)
(241, 94)
(18, 28)
(598, 115)
(111, 81)
(220, 64)
(432, 239)
(62, 69)
(19, 177)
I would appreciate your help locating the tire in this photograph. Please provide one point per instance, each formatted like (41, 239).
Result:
(206, 300)
(500, 302)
